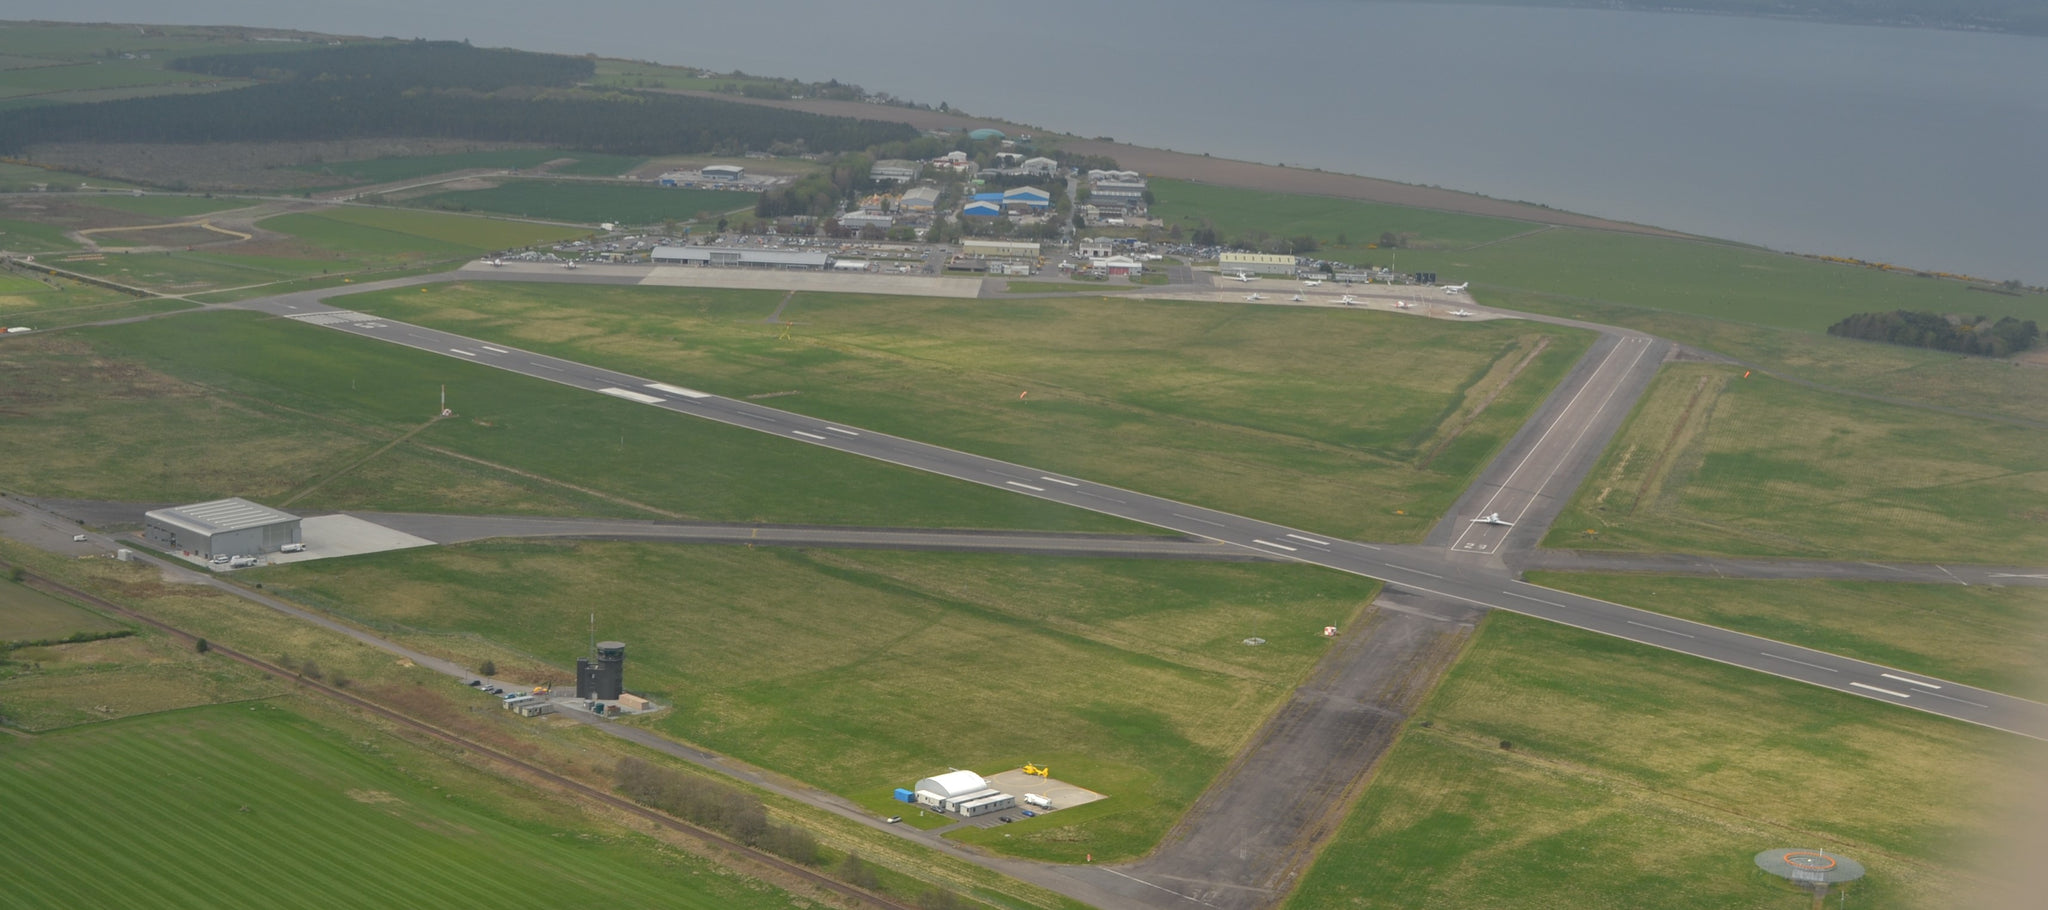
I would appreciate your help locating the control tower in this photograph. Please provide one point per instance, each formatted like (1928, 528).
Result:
(605, 677)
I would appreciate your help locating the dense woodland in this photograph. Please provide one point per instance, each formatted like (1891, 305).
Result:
(1960, 334)
(438, 90)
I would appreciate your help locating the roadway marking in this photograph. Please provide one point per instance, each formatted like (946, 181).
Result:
(1193, 518)
(1416, 571)
(1797, 661)
(1536, 599)
(460, 351)
(1276, 546)
(1913, 682)
(630, 395)
(1024, 486)
(543, 366)
(1320, 543)
(496, 350)
(2013, 575)
(1102, 497)
(842, 431)
(809, 435)
(1953, 698)
(677, 390)
(1059, 481)
(1953, 575)
(1658, 628)
(1876, 689)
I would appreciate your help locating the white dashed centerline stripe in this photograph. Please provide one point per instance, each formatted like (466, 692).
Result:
(460, 351)
(1953, 698)
(543, 366)
(1202, 520)
(1913, 682)
(496, 350)
(842, 431)
(1101, 497)
(1024, 486)
(1877, 689)
(809, 435)
(1795, 660)
(1416, 571)
(1536, 599)
(1658, 628)
(1056, 480)
(1320, 543)
(1276, 546)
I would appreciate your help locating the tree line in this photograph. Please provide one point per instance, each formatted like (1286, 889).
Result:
(714, 805)
(1959, 334)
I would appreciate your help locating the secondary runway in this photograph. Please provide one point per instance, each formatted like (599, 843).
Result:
(1442, 572)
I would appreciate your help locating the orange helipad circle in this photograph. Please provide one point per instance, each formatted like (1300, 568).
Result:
(1811, 862)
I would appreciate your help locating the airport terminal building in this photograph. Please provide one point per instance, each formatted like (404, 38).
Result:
(223, 527)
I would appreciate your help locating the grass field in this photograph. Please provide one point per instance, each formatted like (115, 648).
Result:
(1556, 768)
(33, 237)
(97, 74)
(1238, 213)
(248, 391)
(1711, 462)
(591, 202)
(410, 234)
(1129, 677)
(27, 614)
(167, 206)
(1990, 637)
(1336, 421)
(387, 170)
(597, 164)
(255, 806)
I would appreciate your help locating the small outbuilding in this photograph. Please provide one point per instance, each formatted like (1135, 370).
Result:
(223, 527)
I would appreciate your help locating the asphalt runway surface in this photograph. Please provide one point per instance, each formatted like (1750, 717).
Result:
(1439, 572)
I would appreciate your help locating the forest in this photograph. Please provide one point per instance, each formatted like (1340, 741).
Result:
(1960, 334)
(438, 90)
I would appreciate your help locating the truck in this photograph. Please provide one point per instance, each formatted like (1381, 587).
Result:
(1033, 799)
(241, 562)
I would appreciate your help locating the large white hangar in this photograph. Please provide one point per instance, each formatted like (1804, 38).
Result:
(964, 792)
(223, 527)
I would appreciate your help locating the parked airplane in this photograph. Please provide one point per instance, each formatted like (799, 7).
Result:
(1348, 300)
(1297, 298)
(1241, 276)
(1312, 282)
(1494, 520)
(1403, 305)
(1461, 313)
(495, 261)
(571, 264)
(1254, 298)
(1455, 288)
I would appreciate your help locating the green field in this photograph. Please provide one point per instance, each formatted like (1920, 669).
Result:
(592, 202)
(152, 412)
(167, 206)
(1985, 636)
(1557, 768)
(1346, 423)
(255, 806)
(1343, 226)
(1714, 463)
(1129, 676)
(409, 234)
(597, 164)
(47, 80)
(33, 237)
(27, 614)
(387, 170)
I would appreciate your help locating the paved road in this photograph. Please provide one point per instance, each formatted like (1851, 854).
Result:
(1440, 572)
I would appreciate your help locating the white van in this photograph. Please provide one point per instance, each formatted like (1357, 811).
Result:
(292, 548)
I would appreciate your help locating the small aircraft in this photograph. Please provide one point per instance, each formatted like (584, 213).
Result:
(1298, 298)
(1403, 305)
(1348, 300)
(1461, 313)
(571, 264)
(1456, 288)
(1241, 276)
(1495, 520)
(1312, 282)
(495, 261)
(1254, 298)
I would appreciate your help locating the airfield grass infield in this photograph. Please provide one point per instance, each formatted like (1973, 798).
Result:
(1711, 462)
(1344, 422)
(254, 805)
(591, 202)
(1556, 768)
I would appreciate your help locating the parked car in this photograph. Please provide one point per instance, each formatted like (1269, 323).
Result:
(893, 819)
(78, 538)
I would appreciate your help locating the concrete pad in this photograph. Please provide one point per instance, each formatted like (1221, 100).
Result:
(1063, 795)
(328, 536)
(789, 280)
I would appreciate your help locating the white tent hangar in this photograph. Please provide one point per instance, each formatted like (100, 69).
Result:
(964, 792)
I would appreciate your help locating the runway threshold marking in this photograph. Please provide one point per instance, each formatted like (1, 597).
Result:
(1879, 689)
(630, 395)
(1913, 682)
(460, 351)
(1024, 486)
(1658, 629)
(842, 431)
(1310, 540)
(496, 350)
(1797, 661)
(1276, 546)
(677, 390)
(1536, 599)
(1056, 480)
(809, 435)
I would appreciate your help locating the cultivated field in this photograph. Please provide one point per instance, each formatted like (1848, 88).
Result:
(1555, 768)
(590, 202)
(1712, 462)
(1344, 422)
(1991, 637)
(835, 667)
(234, 404)
(255, 806)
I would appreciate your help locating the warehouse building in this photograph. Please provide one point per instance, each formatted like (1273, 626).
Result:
(730, 173)
(919, 199)
(223, 527)
(1255, 263)
(1000, 249)
(895, 169)
(964, 792)
(739, 256)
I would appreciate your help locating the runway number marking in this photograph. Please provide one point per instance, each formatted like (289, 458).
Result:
(1876, 689)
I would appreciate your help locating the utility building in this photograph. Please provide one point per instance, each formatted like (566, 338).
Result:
(725, 255)
(1255, 263)
(603, 679)
(223, 527)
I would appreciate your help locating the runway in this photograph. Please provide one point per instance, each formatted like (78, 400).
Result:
(1449, 572)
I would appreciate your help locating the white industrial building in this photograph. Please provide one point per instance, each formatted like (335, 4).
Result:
(223, 527)
(1255, 263)
(895, 169)
(1095, 248)
(739, 256)
(1000, 249)
(1040, 167)
(725, 172)
(1120, 190)
(919, 199)
(1117, 265)
(964, 792)
(858, 220)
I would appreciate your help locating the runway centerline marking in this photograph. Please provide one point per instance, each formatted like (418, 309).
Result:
(1658, 628)
(543, 366)
(841, 431)
(1536, 599)
(1024, 486)
(460, 351)
(1102, 497)
(1320, 543)
(631, 395)
(1276, 546)
(1416, 571)
(496, 350)
(1913, 682)
(1202, 520)
(1797, 661)
(1953, 698)
(677, 390)
(1059, 481)
(1878, 689)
